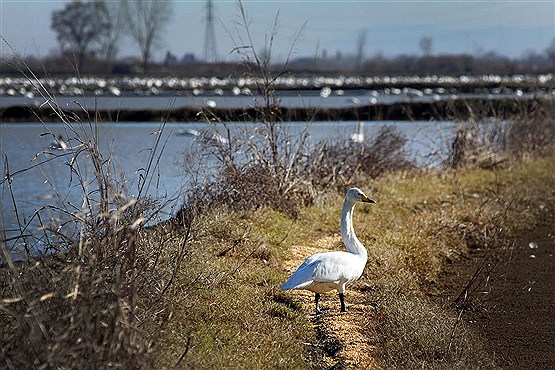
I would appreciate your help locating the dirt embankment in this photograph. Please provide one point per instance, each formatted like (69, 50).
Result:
(459, 109)
(511, 297)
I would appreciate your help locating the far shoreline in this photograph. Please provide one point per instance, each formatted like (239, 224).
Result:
(452, 110)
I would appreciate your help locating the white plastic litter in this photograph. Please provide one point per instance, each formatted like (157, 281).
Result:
(533, 245)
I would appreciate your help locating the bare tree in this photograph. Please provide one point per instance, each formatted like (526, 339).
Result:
(146, 20)
(80, 28)
(425, 44)
(110, 42)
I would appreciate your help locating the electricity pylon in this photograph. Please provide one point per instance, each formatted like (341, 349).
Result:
(210, 54)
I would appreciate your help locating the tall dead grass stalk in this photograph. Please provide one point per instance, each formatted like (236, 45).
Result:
(76, 306)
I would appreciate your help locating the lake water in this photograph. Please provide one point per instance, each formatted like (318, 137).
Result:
(41, 177)
(287, 99)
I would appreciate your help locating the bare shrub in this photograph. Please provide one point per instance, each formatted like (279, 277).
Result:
(339, 165)
(263, 165)
(255, 186)
(533, 133)
(250, 174)
(478, 144)
(487, 142)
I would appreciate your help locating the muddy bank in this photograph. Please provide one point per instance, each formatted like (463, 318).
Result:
(511, 299)
(459, 109)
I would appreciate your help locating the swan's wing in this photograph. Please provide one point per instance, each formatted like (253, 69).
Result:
(321, 267)
(302, 277)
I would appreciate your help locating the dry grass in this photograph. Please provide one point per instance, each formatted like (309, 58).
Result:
(420, 222)
(76, 308)
(222, 308)
(468, 210)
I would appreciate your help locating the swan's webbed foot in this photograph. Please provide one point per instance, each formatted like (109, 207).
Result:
(342, 300)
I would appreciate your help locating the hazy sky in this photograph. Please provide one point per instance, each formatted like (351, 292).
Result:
(393, 27)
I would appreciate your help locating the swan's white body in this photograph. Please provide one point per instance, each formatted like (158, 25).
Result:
(203, 136)
(358, 137)
(327, 271)
(58, 144)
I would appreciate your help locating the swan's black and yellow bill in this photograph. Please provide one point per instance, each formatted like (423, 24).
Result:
(365, 199)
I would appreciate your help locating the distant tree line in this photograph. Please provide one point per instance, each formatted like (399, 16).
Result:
(90, 33)
(188, 66)
(428, 62)
(457, 64)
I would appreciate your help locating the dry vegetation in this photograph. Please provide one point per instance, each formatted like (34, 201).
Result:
(201, 290)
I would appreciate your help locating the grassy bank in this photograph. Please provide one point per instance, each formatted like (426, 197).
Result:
(200, 290)
(206, 295)
(228, 310)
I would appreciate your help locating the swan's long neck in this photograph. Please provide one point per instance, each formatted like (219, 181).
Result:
(348, 232)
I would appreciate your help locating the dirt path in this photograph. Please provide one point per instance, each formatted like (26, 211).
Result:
(339, 334)
(513, 305)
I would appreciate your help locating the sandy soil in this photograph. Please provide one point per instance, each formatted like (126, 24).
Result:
(512, 300)
(339, 334)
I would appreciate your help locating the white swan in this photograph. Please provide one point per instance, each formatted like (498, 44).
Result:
(58, 144)
(205, 137)
(358, 137)
(324, 272)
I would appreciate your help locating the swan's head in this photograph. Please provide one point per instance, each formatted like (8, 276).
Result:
(355, 195)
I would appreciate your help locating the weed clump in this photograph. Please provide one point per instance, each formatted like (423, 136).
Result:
(338, 165)
(77, 308)
(533, 134)
(488, 142)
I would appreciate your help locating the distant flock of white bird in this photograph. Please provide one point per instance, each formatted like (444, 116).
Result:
(115, 86)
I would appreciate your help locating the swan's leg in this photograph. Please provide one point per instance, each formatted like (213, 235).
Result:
(342, 300)
(341, 291)
(316, 299)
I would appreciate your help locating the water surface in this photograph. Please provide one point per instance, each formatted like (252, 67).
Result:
(41, 177)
